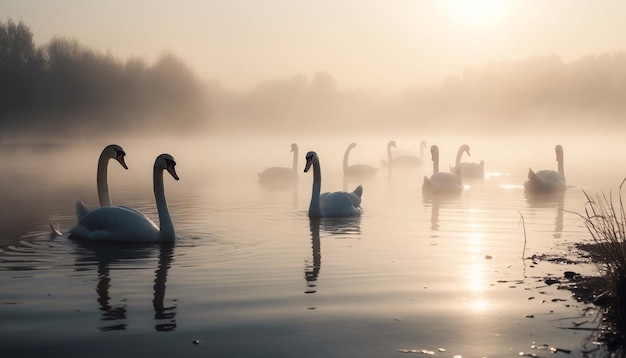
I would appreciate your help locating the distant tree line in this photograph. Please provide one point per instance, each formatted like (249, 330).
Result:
(65, 88)
(538, 91)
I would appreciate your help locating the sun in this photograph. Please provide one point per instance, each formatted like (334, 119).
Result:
(478, 13)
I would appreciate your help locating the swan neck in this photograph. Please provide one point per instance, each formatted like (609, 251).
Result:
(294, 164)
(345, 158)
(166, 231)
(102, 182)
(561, 168)
(314, 206)
(389, 153)
(459, 154)
(435, 163)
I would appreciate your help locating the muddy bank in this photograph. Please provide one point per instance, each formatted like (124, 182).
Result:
(609, 337)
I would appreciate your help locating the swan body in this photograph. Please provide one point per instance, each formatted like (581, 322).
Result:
(357, 170)
(441, 182)
(282, 174)
(335, 204)
(112, 151)
(468, 169)
(547, 180)
(117, 223)
(404, 160)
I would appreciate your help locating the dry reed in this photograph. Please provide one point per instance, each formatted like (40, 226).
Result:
(606, 222)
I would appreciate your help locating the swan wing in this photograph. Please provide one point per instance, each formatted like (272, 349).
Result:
(278, 173)
(544, 180)
(340, 203)
(443, 182)
(471, 170)
(115, 223)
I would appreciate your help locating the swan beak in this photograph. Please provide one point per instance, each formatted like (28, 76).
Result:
(120, 158)
(308, 165)
(172, 171)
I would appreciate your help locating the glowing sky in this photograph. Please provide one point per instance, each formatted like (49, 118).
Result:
(383, 45)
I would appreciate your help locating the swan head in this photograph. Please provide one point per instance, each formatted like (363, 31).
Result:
(166, 162)
(392, 143)
(465, 148)
(559, 152)
(116, 152)
(352, 145)
(310, 157)
(423, 144)
(434, 151)
(294, 147)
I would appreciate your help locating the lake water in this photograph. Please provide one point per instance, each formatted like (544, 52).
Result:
(252, 276)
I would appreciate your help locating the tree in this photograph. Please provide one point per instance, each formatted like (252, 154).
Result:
(20, 66)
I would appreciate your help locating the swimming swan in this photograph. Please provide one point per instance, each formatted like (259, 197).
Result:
(339, 203)
(404, 159)
(468, 169)
(112, 151)
(115, 223)
(547, 180)
(282, 173)
(357, 170)
(440, 182)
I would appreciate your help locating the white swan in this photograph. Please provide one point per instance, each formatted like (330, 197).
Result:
(468, 169)
(112, 151)
(547, 180)
(441, 182)
(405, 160)
(282, 174)
(357, 170)
(339, 203)
(116, 223)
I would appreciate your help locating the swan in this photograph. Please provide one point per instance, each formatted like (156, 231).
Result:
(116, 223)
(391, 143)
(441, 182)
(357, 170)
(112, 151)
(339, 203)
(468, 169)
(404, 159)
(547, 180)
(282, 173)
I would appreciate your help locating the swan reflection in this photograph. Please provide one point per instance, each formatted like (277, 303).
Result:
(280, 190)
(349, 227)
(555, 199)
(435, 202)
(104, 256)
(312, 268)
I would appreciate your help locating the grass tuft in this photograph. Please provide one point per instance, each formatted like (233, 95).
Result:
(606, 222)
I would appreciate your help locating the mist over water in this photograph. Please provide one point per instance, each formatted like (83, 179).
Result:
(66, 172)
(250, 273)
(248, 262)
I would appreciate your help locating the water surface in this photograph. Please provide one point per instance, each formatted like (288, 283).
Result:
(252, 275)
